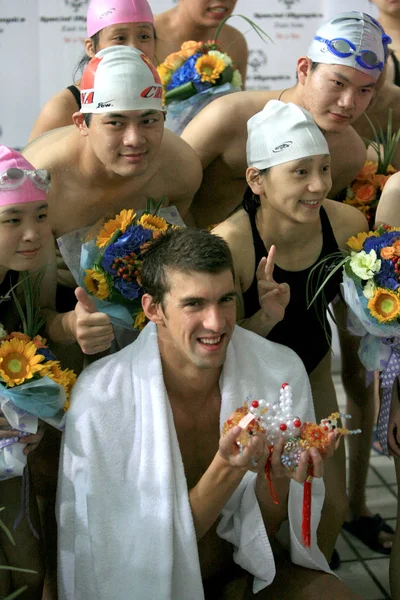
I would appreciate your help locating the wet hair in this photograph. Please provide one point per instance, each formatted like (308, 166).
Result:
(87, 117)
(252, 201)
(80, 67)
(185, 250)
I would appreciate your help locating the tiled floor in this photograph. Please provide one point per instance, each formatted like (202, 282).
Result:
(365, 571)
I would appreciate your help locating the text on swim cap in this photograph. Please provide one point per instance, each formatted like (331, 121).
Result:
(153, 91)
(282, 146)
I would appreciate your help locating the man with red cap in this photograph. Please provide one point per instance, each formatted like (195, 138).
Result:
(116, 156)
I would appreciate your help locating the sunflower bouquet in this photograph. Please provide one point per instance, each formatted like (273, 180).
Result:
(111, 264)
(371, 289)
(32, 385)
(193, 77)
(366, 190)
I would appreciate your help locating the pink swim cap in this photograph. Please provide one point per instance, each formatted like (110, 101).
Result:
(27, 191)
(102, 13)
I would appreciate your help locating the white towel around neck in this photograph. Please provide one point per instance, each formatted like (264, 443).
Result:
(125, 523)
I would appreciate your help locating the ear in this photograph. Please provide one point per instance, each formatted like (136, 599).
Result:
(154, 312)
(79, 120)
(254, 181)
(89, 47)
(304, 65)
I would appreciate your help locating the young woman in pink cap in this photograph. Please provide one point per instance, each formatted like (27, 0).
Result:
(116, 23)
(24, 239)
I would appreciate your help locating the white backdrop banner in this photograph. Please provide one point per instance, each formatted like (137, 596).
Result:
(41, 42)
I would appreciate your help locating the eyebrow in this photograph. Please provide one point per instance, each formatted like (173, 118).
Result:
(15, 211)
(188, 299)
(340, 76)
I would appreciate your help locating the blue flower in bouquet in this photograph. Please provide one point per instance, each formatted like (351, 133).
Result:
(46, 353)
(129, 289)
(376, 243)
(386, 277)
(185, 73)
(130, 241)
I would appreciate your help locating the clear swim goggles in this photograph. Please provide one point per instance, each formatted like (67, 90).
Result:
(367, 59)
(14, 177)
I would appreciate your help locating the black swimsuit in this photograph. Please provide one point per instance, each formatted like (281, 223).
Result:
(304, 330)
(76, 94)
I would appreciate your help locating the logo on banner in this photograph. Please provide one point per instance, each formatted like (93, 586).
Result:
(289, 3)
(257, 59)
(76, 4)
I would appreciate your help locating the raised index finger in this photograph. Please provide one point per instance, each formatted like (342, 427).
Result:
(270, 264)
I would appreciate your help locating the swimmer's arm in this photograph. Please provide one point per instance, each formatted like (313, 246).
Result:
(57, 112)
(187, 175)
(388, 208)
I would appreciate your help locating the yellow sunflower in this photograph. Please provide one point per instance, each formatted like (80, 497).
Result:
(165, 74)
(356, 242)
(384, 305)
(97, 284)
(140, 321)
(65, 377)
(153, 222)
(209, 68)
(19, 361)
(121, 222)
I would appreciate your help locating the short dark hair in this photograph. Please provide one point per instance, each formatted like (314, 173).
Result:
(77, 74)
(87, 117)
(184, 250)
(251, 201)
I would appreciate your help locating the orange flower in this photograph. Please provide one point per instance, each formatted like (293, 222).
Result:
(189, 48)
(367, 171)
(356, 186)
(366, 193)
(387, 252)
(174, 61)
(379, 180)
(396, 247)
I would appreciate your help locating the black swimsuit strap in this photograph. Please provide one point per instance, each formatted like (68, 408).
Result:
(76, 94)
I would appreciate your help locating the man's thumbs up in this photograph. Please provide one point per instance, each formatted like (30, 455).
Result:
(92, 329)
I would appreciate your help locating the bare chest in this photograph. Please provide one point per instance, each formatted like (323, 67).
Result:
(75, 205)
(198, 437)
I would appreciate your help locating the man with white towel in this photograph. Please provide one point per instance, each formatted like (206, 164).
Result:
(153, 504)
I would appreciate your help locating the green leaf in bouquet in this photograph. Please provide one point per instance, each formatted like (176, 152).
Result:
(317, 274)
(384, 143)
(153, 206)
(31, 318)
(259, 31)
(181, 92)
(226, 76)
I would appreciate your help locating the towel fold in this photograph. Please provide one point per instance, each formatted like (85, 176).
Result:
(125, 522)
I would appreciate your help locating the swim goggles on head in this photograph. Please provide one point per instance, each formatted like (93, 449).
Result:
(14, 177)
(343, 48)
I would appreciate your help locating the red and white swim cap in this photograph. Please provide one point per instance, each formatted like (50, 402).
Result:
(102, 13)
(120, 78)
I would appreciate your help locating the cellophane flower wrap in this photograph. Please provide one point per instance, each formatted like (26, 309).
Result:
(365, 191)
(194, 76)
(32, 386)
(371, 289)
(111, 265)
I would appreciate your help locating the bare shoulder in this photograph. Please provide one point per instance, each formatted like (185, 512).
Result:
(388, 210)
(51, 149)
(236, 231)
(345, 220)
(223, 119)
(57, 112)
(179, 159)
(348, 153)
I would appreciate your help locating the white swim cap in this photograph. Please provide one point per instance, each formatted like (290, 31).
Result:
(280, 133)
(120, 78)
(353, 39)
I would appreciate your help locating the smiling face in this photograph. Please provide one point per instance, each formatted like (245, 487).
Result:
(24, 233)
(294, 190)
(196, 319)
(334, 94)
(125, 143)
(208, 13)
(135, 35)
